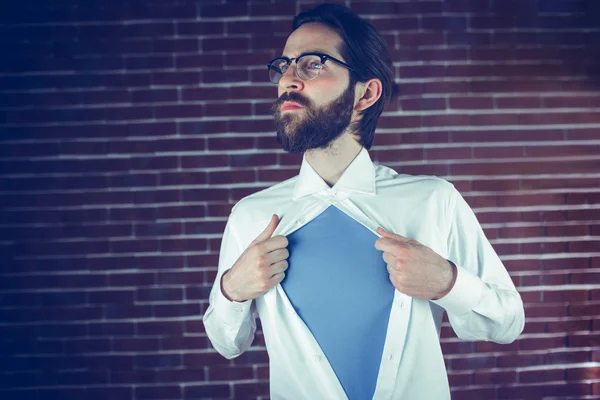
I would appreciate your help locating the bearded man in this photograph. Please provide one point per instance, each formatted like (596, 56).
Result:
(350, 265)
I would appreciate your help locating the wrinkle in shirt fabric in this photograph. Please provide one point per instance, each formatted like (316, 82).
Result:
(339, 285)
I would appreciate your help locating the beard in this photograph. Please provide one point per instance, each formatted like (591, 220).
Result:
(318, 127)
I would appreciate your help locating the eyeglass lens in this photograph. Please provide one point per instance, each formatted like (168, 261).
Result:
(308, 68)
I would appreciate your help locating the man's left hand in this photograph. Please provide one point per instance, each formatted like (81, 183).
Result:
(415, 269)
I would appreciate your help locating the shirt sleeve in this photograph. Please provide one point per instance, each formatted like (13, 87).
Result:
(483, 303)
(230, 326)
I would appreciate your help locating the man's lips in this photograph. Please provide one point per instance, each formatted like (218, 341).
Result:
(288, 105)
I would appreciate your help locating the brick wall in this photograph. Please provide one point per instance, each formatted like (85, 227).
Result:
(130, 128)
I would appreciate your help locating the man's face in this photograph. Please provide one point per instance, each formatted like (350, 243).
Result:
(313, 113)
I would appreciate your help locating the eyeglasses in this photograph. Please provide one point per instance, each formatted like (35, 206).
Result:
(308, 66)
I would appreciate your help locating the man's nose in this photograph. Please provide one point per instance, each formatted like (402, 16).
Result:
(290, 81)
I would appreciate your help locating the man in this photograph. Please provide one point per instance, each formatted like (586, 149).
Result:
(350, 265)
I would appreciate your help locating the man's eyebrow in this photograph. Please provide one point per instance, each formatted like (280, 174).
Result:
(311, 51)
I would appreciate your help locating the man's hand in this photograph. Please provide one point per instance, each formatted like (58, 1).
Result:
(415, 269)
(259, 268)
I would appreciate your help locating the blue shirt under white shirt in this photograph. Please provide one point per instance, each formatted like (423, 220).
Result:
(306, 360)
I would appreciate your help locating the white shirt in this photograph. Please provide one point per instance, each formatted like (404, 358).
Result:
(482, 305)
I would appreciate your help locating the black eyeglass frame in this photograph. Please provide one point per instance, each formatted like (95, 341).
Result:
(324, 57)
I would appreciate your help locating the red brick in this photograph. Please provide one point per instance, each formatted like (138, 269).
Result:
(229, 109)
(462, 378)
(81, 346)
(144, 62)
(586, 278)
(425, 103)
(569, 326)
(519, 360)
(476, 362)
(211, 391)
(583, 246)
(494, 377)
(584, 340)
(224, 44)
(180, 375)
(179, 310)
(584, 309)
(150, 361)
(491, 347)
(251, 126)
(178, 178)
(158, 392)
(115, 393)
(384, 156)
(128, 345)
(457, 347)
(567, 230)
(534, 327)
(184, 61)
(541, 343)
(137, 377)
(125, 311)
(264, 27)
(474, 393)
(183, 343)
(250, 390)
(448, 153)
(112, 296)
(518, 102)
(111, 329)
(165, 328)
(471, 103)
(565, 295)
(183, 211)
(220, 373)
(159, 294)
(592, 373)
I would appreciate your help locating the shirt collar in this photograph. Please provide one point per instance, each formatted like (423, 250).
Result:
(358, 177)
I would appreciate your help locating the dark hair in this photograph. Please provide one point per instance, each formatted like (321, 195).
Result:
(364, 49)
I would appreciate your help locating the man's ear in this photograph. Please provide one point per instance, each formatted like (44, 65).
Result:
(368, 93)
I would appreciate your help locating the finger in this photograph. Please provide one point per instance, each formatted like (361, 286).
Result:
(397, 275)
(279, 267)
(397, 284)
(275, 243)
(388, 258)
(277, 278)
(277, 255)
(391, 235)
(386, 244)
(268, 232)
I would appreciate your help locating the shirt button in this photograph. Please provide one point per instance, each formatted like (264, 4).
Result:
(317, 357)
(237, 309)
(300, 221)
(391, 357)
(291, 310)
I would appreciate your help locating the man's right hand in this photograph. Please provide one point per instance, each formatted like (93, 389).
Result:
(259, 268)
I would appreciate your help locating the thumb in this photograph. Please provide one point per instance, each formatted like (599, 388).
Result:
(268, 232)
(391, 235)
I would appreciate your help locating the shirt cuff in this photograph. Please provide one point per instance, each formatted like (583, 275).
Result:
(465, 295)
(232, 313)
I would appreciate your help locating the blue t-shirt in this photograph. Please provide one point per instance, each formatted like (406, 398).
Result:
(339, 285)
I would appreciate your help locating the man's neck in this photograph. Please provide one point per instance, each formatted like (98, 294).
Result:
(331, 163)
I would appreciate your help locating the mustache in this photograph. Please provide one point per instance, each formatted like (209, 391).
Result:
(290, 96)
